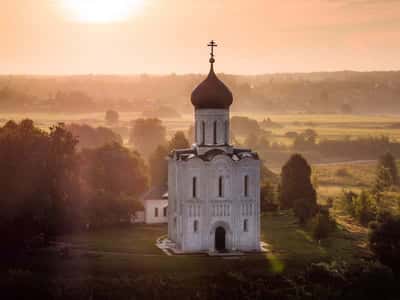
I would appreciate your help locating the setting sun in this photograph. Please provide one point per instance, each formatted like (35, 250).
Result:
(100, 11)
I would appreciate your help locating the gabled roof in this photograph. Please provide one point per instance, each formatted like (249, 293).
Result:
(156, 193)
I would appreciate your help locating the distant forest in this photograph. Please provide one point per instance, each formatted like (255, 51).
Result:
(326, 92)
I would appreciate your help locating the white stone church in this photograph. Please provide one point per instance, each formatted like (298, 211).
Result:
(213, 188)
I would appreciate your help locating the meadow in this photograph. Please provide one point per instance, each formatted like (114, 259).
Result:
(132, 250)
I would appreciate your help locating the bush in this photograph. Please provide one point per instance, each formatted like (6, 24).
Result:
(268, 197)
(329, 202)
(384, 241)
(112, 116)
(342, 172)
(323, 224)
(365, 208)
(304, 209)
(347, 201)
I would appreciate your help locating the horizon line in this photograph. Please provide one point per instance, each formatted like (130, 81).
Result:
(194, 73)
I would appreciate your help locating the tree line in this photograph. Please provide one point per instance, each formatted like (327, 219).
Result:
(50, 188)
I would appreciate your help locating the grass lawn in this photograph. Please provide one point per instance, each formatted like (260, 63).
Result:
(132, 251)
(293, 245)
(139, 239)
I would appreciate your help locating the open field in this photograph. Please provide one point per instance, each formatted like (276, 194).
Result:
(332, 126)
(331, 179)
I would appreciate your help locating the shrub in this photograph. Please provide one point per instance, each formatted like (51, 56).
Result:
(304, 209)
(323, 224)
(384, 241)
(342, 172)
(112, 116)
(268, 197)
(347, 201)
(365, 208)
(329, 202)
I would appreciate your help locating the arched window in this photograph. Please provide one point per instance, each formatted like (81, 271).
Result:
(195, 225)
(194, 187)
(245, 226)
(215, 132)
(220, 186)
(246, 185)
(203, 132)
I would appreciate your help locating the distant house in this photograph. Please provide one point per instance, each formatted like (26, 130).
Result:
(155, 203)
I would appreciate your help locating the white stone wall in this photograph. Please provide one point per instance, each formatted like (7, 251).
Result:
(208, 208)
(150, 206)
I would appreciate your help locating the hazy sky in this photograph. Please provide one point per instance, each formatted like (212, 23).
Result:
(165, 36)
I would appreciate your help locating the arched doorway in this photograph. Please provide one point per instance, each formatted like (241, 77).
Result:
(220, 239)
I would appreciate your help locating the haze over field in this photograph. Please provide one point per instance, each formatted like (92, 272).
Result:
(164, 36)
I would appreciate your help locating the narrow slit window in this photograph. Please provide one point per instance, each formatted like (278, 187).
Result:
(194, 187)
(215, 132)
(156, 211)
(165, 211)
(196, 130)
(226, 133)
(195, 226)
(246, 185)
(220, 186)
(245, 226)
(203, 132)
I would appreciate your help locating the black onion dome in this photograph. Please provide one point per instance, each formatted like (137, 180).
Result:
(211, 93)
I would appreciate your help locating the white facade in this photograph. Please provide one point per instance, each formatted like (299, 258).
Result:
(155, 211)
(214, 191)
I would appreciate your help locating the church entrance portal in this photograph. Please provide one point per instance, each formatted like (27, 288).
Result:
(220, 239)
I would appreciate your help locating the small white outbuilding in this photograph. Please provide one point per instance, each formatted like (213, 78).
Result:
(155, 204)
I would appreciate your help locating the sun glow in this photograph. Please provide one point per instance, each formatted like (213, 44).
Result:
(101, 11)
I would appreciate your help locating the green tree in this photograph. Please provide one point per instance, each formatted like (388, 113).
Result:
(90, 137)
(347, 200)
(304, 209)
(112, 117)
(365, 207)
(323, 225)
(388, 162)
(115, 169)
(384, 241)
(383, 181)
(147, 134)
(159, 167)
(268, 197)
(296, 183)
(178, 141)
(40, 182)
(115, 178)
(305, 140)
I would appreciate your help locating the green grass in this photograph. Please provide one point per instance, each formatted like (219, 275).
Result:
(139, 239)
(132, 251)
(293, 244)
